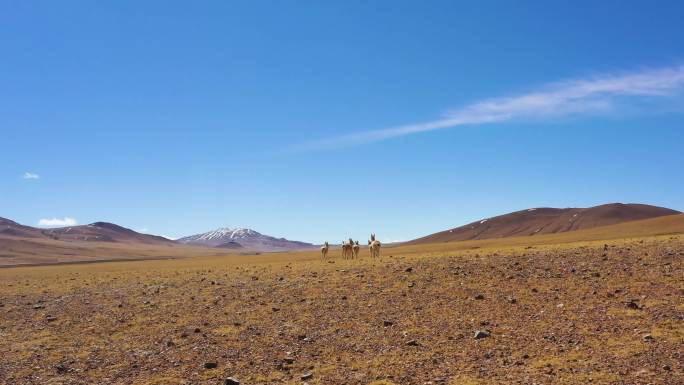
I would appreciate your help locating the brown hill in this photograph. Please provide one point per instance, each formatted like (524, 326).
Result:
(95, 232)
(104, 232)
(20, 244)
(11, 228)
(546, 220)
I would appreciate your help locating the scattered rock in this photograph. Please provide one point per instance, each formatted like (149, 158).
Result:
(480, 334)
(231, 381)
(412, 343)
(387, 323)
(289, 360)
(633, 305)
(307, 376)
(479, 296)
(408, 269)
(210, 365)
(648, 338)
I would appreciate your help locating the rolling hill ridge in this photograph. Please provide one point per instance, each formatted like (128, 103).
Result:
(546, 220)
(94, 232)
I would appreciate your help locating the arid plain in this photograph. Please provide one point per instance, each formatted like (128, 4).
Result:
(600, 306)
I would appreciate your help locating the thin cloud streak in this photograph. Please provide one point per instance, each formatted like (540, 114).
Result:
(595, 95)
(30, 175)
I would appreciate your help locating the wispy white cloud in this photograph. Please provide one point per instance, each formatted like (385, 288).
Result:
(30, 175)
(143, 230)
(57, 222)
(597, 94)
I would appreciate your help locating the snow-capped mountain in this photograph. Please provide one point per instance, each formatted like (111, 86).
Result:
(239, 238)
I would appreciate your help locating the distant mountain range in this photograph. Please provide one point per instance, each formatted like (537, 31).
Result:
(20, 244)
(103, 241)
(546, 220)
(239, 238)
(94, 232)
(223, 238)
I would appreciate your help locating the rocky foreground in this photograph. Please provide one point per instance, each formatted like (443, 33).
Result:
(582, 314)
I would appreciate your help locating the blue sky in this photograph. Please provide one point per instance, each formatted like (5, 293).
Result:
(314, 120)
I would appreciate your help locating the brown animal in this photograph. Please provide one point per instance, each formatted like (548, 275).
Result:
(374, 247)
(346, 250)
(324, 250)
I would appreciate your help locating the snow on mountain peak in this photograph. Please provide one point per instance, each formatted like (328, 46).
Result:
(228, 233)
(247, 238)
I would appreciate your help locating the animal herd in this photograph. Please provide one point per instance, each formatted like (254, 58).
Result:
(350, 249)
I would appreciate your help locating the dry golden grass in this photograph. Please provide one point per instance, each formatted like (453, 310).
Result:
(557, 309)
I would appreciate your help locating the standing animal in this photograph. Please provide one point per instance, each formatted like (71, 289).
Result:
(346, 250)
(324, 250)
(374, 247)
(356, 248)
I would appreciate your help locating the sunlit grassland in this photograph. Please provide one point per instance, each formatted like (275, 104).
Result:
(159, 321)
